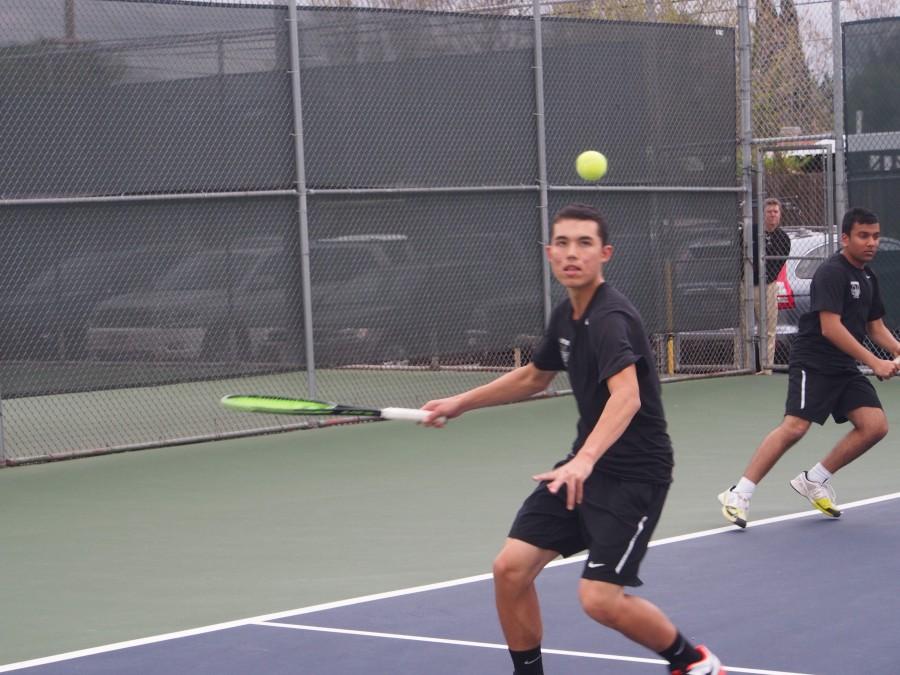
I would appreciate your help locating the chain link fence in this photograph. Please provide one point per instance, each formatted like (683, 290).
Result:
(871, 52)
(208, 197)
(811, 144)
(872, 117)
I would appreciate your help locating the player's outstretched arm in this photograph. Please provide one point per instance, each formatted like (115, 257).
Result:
(515, 385)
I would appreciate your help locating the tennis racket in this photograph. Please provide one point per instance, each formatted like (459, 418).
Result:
(279, 405)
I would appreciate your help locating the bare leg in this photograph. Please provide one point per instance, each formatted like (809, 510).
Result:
(869, 426)
(774, 445)
(515, 569)
(636, 618)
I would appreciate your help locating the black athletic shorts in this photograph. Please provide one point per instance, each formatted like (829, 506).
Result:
(614, 523)
(813, 396)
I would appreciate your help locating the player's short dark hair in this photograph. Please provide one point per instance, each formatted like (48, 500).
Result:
(583, 212)
(857, 215)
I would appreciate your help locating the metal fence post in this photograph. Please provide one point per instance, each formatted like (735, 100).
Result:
(300, 164)
(746, 173)
(3, 457)
(761, 296)
(840, 175)
(542, 151)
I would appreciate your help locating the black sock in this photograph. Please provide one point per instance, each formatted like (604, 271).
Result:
(681, 653)
(528, 662)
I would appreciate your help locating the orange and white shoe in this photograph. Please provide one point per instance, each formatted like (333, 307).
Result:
(708, 665)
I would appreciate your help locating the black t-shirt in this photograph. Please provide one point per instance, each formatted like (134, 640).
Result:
(778, 245)
(607, 339)
(838, 287)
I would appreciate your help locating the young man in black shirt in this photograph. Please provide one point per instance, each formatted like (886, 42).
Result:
(823, 376)
(606, 496)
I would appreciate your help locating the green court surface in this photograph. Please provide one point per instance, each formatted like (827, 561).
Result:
(105, 549)
(83, 422)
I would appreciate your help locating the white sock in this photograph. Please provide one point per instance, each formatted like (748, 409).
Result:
(818, 473)
(745, 486)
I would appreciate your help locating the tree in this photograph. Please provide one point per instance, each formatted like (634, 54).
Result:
(785, 94)
(663, 11)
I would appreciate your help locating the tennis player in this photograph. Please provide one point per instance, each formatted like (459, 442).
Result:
(823, 376)
(606, 496)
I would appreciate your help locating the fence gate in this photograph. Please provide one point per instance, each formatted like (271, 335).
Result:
(801, 176)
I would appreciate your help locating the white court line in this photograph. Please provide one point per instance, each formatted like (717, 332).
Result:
(493, 645)
(389, 594)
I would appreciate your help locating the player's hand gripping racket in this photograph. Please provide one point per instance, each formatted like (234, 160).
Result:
(278, 405)
(896, 362)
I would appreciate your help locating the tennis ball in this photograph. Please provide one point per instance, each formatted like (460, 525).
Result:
(591, 165)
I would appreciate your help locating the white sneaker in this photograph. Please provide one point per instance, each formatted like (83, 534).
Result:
(735, 506)
(821, 495)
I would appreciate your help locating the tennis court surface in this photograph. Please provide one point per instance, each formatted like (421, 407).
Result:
(793, 594)
(152, 562)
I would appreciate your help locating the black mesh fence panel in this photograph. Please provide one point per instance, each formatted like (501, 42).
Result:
(641, 94)
(872, 117)
(872, 121)
(153, 223)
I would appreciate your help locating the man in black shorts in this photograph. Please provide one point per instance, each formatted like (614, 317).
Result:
(823, 376)
(607, 494)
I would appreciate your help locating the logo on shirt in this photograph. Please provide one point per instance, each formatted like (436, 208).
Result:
(854, 289)
(565, 348)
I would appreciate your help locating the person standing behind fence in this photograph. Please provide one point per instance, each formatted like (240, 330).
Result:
(778, 245)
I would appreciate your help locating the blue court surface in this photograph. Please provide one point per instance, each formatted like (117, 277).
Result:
(793, 594)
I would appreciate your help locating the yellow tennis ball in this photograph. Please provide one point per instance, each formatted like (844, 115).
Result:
(591, 165)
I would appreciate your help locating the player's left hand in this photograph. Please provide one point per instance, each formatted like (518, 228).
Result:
(572, 474)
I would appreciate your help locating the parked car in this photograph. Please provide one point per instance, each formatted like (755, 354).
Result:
(376, 298)
(47, 318)
(809, 249)
(244, 303)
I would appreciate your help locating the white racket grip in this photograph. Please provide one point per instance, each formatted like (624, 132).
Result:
(408, 414)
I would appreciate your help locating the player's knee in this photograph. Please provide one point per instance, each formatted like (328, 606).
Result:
(509, 571)
(794, 428)
(502, 567)
(602, 607)
(876, 429)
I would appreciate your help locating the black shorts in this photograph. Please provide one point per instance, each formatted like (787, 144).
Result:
(813, 396)
(614, 523)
